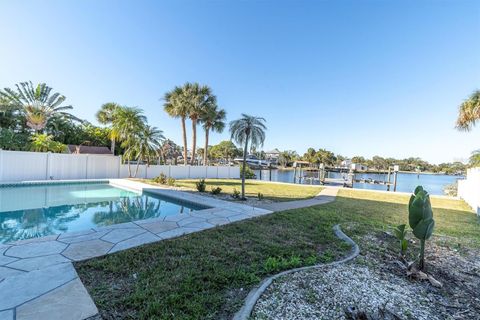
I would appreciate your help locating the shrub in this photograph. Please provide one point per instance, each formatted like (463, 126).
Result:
(171, 181)
(420, 218)
(235, 194)
(249, 174)
(216, 190)
(260, 196)
(162, 179)
(201, 185)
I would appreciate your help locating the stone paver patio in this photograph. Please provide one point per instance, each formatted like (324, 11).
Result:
(38, 280)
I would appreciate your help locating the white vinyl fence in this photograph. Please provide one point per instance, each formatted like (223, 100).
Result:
(29, 166)
(469, 189)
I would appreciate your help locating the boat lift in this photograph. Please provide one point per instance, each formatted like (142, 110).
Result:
(349, 176)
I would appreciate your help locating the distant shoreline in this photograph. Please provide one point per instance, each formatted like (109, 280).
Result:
(401, 171)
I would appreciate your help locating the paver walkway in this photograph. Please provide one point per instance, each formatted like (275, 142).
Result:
(38, 280)
(325, 196)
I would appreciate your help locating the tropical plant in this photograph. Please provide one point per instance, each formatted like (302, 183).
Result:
(420, 218)
(105, 116)
(170, 150)
(213, 120)
(247, 129)
(162, 179)
(45, 143)
(235, 193)
(36, 104)
(247, 172)
(216, 190)
(400, 232)
(177, 106)
(474, 160)
(469, 112)
(170, 181)
(201, 185)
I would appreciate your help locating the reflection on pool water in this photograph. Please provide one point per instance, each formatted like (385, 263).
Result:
(37, 211)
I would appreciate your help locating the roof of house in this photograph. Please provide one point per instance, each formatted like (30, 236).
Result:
(88, 149)
(273, 151)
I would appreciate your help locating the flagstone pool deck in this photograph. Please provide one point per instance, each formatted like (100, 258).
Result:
(37, 277)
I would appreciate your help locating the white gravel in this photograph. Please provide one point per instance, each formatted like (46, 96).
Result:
(325, 293)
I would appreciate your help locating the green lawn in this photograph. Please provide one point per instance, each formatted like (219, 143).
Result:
(208, 274)
(272, 191)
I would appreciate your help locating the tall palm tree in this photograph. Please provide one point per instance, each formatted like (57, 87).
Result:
(213, 120)
(199, 98)
(105, 116)
(244, 130)
(36, 104)
(177, 107)
(469, 112)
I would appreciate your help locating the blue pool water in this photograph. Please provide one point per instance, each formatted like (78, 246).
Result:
(37, 211)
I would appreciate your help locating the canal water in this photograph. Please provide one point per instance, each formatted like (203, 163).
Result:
(433, 183)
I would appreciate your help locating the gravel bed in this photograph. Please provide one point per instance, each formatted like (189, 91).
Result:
(325, 293)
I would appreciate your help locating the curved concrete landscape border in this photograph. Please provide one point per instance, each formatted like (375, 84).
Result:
(255, 294)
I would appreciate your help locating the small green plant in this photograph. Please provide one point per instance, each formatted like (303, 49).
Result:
(420, 218)
(274, 264)
(201, 185)
(260, 196)
(235, 194)
(171, 181)
(216, 190)
(161, 179)
(400, 233)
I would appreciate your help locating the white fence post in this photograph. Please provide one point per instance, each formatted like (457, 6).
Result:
(1, 164)
(48, 166)
(86, 167)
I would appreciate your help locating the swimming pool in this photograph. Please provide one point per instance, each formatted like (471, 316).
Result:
(40, 210)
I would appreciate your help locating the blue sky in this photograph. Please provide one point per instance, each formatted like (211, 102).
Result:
(356, 77)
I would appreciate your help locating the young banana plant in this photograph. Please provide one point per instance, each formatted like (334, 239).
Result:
(400, 232)
(420, 218)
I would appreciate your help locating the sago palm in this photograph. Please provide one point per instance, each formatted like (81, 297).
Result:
(105, 116)
(213, 120)
(247, 129)
(177, 107)
(469, 112)
(37, 104)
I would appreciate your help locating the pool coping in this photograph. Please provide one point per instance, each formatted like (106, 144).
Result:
(37, 277)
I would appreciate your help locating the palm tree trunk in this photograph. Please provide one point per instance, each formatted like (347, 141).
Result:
(112, 148)
(205, 151)
(138, 165)
(244, 165)
(184, 131)
(129, 170)
(194, 140)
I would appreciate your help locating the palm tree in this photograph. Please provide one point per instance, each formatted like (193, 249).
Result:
(244, 130)
(105, 116)
(469, 112)
(213, 120)
(126, 124)
(199, 98)
(146, 145)
(176, 106)
(36, 104)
